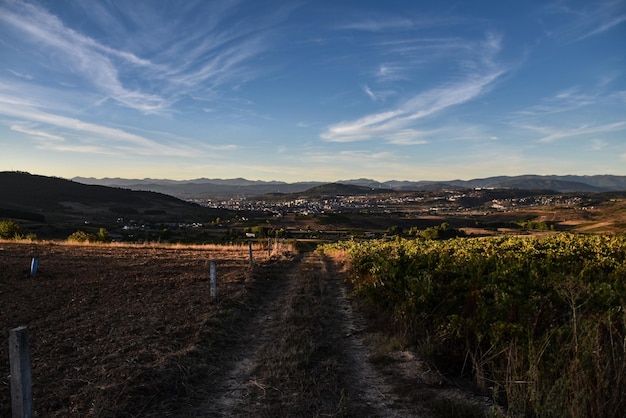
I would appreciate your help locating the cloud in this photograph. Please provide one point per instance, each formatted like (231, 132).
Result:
(572, 112)
(562, 102)
(20, 75)
(210, 51)
(592, 19)
(369, 92)
(394, 23)
(391, 72)
(407, 137)
(31, 131)
(80, 54)
(351, 157)
(478, 73)
(379, 95)
(113, 140)
(551, 133)
(598, 144)
(428, 103)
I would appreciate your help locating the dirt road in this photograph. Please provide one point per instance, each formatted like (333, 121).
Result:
(305, 351)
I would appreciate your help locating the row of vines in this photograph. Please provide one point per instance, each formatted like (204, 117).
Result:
(538, 322)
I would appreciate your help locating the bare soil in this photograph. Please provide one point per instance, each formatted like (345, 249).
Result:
(132, 332)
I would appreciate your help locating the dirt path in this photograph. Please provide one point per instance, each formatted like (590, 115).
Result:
(307, 352)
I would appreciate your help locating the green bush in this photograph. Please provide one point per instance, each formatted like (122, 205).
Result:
(10, 230)
(79, 236)
(82, 236)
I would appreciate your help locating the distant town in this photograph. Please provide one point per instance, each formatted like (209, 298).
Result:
(415, 203)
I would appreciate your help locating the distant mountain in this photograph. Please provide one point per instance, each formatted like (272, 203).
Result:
(224, 188)
(203, 188)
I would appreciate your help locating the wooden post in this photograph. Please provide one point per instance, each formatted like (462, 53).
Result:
(213, 281)
(269, 248)
(251, 258)
(21, 381)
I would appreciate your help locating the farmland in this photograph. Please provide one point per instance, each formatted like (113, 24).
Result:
(117, 330)
(400, 327)
(128, 331)
(538, 322)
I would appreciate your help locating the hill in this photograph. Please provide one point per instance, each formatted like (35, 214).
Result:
(54, 200)
(332, 190)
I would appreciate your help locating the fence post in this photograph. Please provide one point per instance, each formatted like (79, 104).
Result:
(213, 281)
(251, 258)
(21, 381)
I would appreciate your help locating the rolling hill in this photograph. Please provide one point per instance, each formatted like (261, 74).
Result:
(34, 197)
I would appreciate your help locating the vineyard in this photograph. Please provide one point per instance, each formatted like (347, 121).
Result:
(538, 323)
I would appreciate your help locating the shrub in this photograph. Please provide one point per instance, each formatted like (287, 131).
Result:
(82, 236)
(10, 230)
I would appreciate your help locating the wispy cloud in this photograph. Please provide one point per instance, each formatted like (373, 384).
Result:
(21, 75)
(80, 54)
(63, 133)
(431, 102)
(590, 19)
(391, 72)
(32, 131)
(379, 95)
(394, 23)
(570, 113)
(564, 101)
(598, 144)
(408, 137)
(351, 157)
(551, 133)
(175, 63)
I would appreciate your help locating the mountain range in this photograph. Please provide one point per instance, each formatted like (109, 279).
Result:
(212, 188)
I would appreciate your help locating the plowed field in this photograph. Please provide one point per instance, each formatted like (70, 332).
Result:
(116, 331)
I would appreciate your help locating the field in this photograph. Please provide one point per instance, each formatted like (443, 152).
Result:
(131, 331)
(396, 327)
(117, 330)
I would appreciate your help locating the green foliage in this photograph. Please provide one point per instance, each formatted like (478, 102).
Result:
(394, 230)
(540, 321)
(10, 230)
(442, 231)
(79, 236)
(535, 226)
(82, 236)
(103, 235)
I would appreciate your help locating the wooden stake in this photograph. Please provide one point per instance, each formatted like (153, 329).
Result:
(21, 381)
(251, 258)
(213, 281)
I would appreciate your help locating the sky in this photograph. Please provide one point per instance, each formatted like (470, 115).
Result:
(319, 90)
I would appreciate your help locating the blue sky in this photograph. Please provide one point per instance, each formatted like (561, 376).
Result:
(313, 90)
